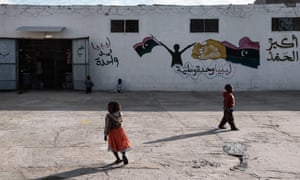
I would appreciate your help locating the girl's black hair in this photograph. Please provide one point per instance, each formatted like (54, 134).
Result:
(113, 107)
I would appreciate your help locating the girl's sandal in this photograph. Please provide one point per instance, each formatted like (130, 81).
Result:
(118, 161)
(125, 160)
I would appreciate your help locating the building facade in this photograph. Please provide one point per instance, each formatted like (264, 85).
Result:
(151, 48)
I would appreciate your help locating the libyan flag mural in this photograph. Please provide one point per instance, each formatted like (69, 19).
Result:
(146, 45)
(247, 53)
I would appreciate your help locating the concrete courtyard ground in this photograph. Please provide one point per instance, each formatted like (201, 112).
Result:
(59, 135)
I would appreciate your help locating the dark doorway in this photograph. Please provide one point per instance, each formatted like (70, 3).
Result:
(45, 64)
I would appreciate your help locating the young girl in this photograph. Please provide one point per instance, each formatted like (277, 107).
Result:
(117, 138)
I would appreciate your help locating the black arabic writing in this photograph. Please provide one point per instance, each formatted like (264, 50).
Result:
(189, 70)
(283, 51)
(105, 56)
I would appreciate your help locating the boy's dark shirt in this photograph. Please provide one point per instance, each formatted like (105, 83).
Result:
(229, 101)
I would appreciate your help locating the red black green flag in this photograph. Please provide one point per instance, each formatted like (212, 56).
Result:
(146, 45)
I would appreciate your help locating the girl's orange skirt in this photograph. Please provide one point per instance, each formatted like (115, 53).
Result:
(118, 140)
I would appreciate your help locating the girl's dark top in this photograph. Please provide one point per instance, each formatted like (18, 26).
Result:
(112, 120)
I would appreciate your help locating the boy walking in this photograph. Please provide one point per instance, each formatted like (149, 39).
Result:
(229, 103)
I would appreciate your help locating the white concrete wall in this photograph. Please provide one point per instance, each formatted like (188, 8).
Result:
(169, 24)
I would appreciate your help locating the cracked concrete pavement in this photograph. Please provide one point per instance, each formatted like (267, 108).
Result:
(59, 135)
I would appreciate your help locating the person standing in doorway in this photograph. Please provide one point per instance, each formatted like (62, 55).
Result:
(229, 104)
(115, 133)
(88, 85)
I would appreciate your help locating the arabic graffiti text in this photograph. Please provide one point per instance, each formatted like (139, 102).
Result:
(285, 50)
(213, 70)
(104, 54)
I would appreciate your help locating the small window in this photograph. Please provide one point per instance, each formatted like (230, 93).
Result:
(132, 25)
(129, 26)
(117, 26)
(286, 24)
(204, 25)
(197, 25)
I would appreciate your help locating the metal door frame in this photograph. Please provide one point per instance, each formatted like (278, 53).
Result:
(8, 64)
(80, 62)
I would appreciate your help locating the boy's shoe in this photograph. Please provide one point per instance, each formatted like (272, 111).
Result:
(222, 127)
(125, 160)
(234, 129)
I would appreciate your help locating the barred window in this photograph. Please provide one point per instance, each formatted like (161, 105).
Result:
(129, 26)
(204, 25)
(286, 24)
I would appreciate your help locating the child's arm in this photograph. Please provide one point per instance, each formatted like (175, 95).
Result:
(107, 127)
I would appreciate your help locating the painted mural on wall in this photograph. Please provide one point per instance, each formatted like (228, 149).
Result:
(247, 54)
(176, 54)
(146, 45)
(104, 54)
(150, 42)
(284, 50)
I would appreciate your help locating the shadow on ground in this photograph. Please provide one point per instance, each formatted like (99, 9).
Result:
(80, 172)
(190, 135)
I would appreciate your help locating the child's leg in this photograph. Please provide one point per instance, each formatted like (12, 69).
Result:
(231, 122)
(125, 160)
(223, 121)
(117, 157)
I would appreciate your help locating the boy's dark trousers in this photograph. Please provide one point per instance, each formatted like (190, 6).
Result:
(228, 117)
(88, 90)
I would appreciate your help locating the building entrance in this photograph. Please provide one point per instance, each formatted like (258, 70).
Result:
(45, 64)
